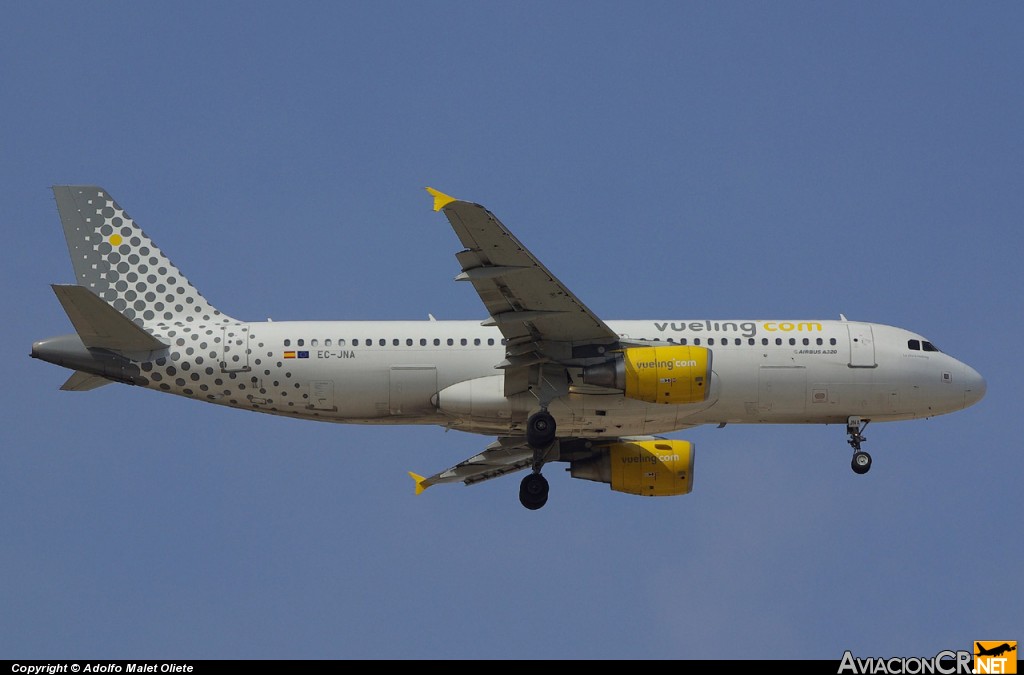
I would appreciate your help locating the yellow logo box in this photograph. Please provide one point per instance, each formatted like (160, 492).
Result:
(995, 656)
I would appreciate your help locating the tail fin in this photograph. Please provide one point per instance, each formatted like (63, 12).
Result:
(115, 259)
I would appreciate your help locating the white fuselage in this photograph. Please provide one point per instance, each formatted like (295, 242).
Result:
(543, 373)
(443, 372)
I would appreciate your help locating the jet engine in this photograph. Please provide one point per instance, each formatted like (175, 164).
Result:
(655, 468)
(673, 375)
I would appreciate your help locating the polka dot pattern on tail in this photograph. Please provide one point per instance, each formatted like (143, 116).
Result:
(115, 259)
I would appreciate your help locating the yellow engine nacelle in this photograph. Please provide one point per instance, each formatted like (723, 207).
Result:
(673, 375)
(650, 468)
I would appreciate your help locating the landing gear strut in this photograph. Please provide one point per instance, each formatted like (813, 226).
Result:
(540, 434)
(861, 462)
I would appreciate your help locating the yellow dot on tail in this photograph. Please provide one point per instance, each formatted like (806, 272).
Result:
(115, 240)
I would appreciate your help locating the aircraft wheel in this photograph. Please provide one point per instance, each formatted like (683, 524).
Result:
(540, 430)
(533, 491)
(861, 462)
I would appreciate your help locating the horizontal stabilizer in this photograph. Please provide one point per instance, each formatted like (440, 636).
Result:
(84, 382)
(100, 325)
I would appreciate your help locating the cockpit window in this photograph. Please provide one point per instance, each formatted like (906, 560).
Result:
(914, 345)
(929, 347)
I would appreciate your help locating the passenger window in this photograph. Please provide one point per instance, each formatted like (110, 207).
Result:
(696, 341)
(450, 342)
(314, 342)
(287, 343)
(490, 342)
(355, 343)
(301, 342)
(437, 342)
(395, 342)
(423, 342)
(327, 342)
(792, 341)
(764, 341)
(750, 341)
(476, 341)
(341, 342)
(819, 341)
(806, 342)
(914, 345)
(832, 341)
(463, 342)
(408, 342)
(711, 341)
(504, 341)
(739, 342)
(682, 341)
(382, 342)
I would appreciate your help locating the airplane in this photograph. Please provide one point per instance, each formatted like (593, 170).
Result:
(544, 375)
(994, 651)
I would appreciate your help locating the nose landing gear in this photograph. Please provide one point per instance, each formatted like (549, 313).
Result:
(861, 462)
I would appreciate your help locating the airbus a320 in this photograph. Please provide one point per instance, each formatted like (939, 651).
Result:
(543, 374)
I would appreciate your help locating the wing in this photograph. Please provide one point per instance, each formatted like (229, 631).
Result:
(541, 319)
(546, 327)
(506, 455)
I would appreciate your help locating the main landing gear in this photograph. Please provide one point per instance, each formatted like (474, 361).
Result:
(540, 434)
(861, 462)
(533, 491)
(540, 430)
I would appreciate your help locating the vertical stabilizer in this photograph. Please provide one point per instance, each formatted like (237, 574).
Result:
(115, 259)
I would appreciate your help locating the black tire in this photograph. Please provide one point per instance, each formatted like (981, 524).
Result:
(540, 430)
(533, 491)
(861, 463)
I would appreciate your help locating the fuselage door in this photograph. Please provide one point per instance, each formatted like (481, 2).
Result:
(234, 349)
(862, 345)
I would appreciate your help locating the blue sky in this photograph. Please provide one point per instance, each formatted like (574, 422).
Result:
(665, 160)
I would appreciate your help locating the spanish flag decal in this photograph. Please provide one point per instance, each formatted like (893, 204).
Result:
(289, 355)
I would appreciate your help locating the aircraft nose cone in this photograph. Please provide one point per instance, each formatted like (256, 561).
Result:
(974, 386)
